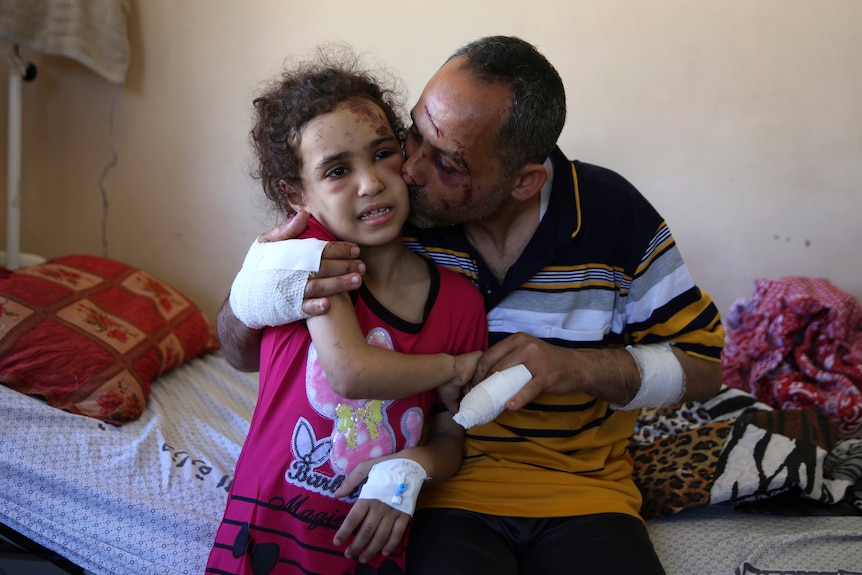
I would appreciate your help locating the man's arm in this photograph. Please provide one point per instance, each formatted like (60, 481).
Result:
(240, 344)
(609, 374)
(340, 271)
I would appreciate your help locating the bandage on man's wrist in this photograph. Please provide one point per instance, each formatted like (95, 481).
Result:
(662, 377)
(395, 482)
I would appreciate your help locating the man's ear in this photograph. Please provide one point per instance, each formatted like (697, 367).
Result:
(528, 180)
(293, 195)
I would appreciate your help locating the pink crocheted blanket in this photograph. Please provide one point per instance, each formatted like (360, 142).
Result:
(797, 343)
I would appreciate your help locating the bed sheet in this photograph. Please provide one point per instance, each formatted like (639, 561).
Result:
(143, 498)
(719, 540)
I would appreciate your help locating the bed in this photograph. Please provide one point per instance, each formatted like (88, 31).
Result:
(141, 498)
(137, 485)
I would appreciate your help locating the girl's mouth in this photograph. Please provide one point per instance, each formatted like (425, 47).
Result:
(375, 213)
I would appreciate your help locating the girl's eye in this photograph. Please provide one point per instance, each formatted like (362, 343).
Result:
(336, 172)
(382, 154)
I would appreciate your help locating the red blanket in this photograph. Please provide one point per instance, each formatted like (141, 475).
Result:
(795, 344)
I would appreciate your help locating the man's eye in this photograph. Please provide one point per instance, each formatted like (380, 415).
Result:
(444, 166)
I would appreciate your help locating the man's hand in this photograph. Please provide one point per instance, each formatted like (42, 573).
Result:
(610, 374)
(549, 364)
(339, 272)
(340, 269)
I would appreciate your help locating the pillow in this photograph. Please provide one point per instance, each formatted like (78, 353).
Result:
(676, 472)
(90, 334)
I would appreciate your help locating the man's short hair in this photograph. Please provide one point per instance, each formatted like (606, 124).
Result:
(538, 111)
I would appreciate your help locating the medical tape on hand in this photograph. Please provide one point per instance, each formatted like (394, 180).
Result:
(662, 377)
(395, 482)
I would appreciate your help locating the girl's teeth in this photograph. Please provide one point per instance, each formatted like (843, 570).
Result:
(375, 213)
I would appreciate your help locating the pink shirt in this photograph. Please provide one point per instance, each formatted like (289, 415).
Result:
(304, 438)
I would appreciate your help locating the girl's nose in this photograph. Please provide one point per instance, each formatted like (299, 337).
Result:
(371, 184)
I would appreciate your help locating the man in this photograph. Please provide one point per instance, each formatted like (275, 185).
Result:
(583, 284)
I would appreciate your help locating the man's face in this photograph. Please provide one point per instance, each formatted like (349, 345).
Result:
(452, 169)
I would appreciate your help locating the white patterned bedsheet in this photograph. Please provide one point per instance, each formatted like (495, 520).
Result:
(717, 540)
(144, 498)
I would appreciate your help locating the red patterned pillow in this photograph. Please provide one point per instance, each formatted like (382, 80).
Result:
(89, 334)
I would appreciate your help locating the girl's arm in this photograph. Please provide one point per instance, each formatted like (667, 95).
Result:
(356, 369)
(377, 527)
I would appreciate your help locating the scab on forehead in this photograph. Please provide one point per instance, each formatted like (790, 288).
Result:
(369, 112)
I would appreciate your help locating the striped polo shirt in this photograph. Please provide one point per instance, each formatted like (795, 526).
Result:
(602, 269)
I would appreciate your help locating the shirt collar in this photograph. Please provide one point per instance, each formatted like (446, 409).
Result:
(545, 193)
(562, 216)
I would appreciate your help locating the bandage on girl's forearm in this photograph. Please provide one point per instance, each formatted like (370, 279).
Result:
(395, 482)
(662, 377)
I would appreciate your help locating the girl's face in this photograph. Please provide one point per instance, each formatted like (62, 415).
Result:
(351, 174)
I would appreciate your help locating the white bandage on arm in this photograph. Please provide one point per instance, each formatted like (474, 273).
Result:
(270, 287)
(395, 482)
(662, 377)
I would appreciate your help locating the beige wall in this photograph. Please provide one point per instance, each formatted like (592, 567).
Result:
(739, 119)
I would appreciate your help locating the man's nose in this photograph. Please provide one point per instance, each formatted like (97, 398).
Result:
(409, 169)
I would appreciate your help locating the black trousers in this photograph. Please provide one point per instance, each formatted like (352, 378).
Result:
(457, 542)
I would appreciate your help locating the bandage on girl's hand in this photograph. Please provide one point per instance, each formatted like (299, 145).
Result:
(486, 401)
(395, 482)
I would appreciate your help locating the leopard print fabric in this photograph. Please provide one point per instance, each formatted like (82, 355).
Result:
(675, 451)
(654, 423)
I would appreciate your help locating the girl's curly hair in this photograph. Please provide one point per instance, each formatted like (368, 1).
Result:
(309, 89)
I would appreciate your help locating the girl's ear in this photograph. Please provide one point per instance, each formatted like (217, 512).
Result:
(293, 195)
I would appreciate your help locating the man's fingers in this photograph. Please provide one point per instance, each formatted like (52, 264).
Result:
(341, 251)
(286, 230)
(330, 268)
(326, 286)
(315, 307)
(524, 396)
(489, 362)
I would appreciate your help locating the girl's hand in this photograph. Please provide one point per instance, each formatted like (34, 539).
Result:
(451, 392)
(375, 527)
(356, 477)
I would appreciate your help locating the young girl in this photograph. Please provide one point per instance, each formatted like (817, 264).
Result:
(327, 143)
